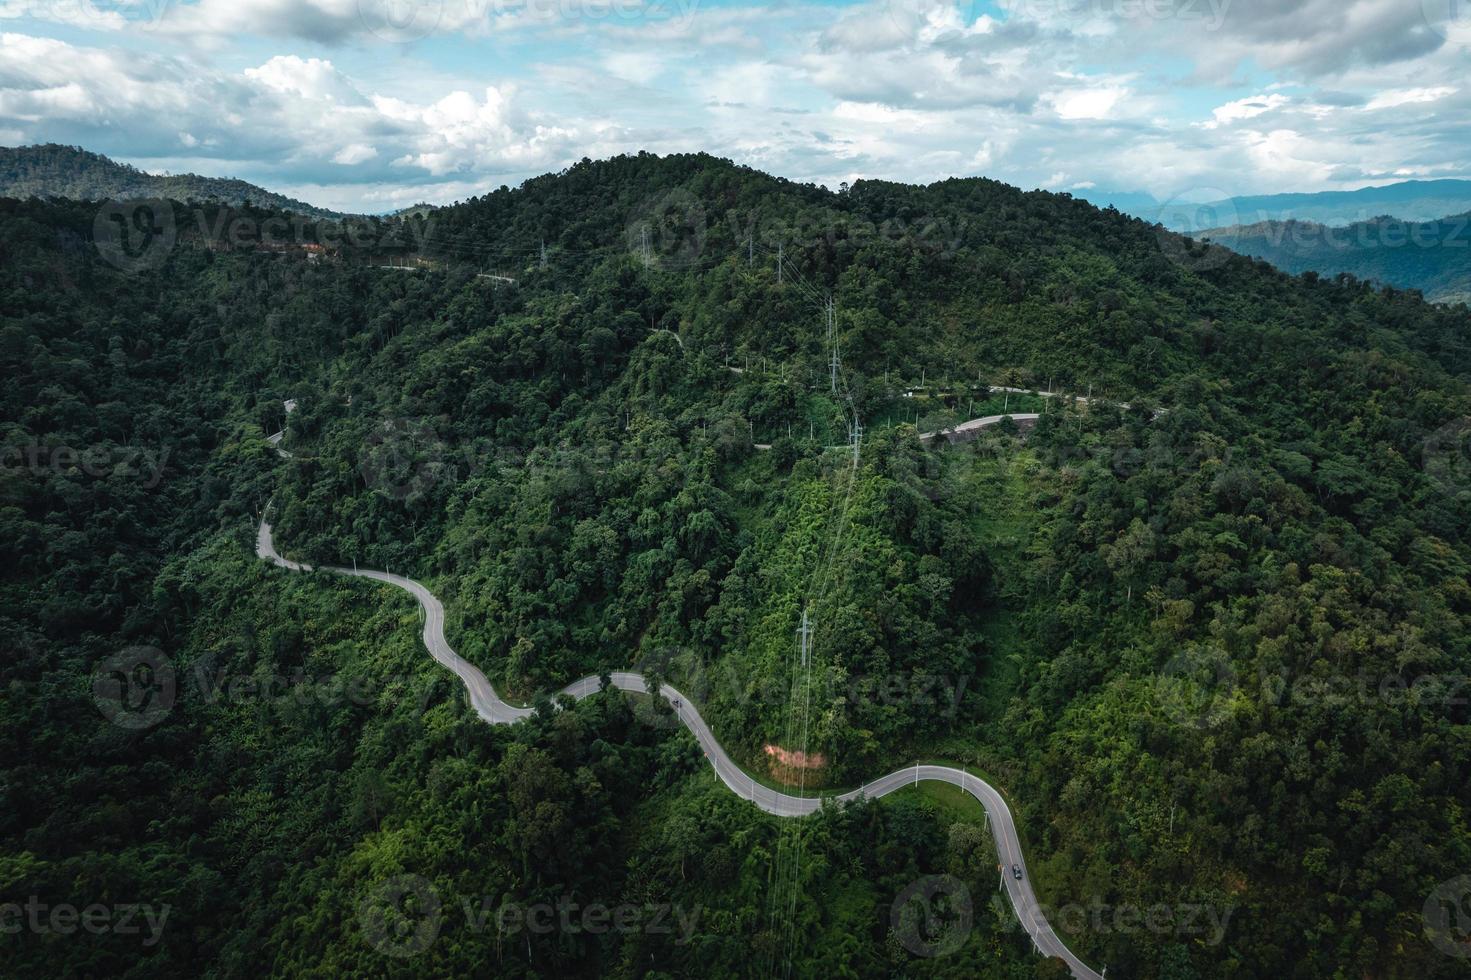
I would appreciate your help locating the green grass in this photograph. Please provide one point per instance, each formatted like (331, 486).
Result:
(1005, 524)
(954, 804)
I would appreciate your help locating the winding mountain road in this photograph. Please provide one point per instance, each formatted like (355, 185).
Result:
(976, 424)
(489, 706)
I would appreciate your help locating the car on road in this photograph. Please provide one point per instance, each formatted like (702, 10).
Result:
(1016, 872)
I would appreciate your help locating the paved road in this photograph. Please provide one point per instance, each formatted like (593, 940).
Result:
(493, 709)
(981, 423)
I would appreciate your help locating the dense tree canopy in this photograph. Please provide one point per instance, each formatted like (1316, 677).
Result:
(1188, 625)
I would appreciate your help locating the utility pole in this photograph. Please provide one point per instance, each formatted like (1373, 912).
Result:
(855, 434)
(543, 260)
(804, 636)
(831, 331)
(643, 234)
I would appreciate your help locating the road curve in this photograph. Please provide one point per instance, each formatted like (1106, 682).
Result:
(490, 707)
(980, 423)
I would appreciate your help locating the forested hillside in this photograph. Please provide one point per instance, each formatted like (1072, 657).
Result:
(52, 170)
(1432, 256)
(1186, 625)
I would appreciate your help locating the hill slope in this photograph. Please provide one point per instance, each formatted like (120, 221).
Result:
(1432, 256)
(53, 170)
(1210, 652)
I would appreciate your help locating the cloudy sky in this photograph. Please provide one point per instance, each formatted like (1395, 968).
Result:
(370, 105)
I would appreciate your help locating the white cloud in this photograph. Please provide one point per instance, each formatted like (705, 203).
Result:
(354, 153)
(1409, 96)
(1248, 108)
(308, 78)
(1088, 102)
(309, 93)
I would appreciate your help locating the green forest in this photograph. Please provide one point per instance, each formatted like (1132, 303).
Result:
(51, 170)
(1203, 629)
(1433, 257)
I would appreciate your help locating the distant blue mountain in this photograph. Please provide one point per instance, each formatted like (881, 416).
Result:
(1409, 200)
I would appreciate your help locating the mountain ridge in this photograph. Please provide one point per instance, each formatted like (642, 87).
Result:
(1408, 200)
(1433, 257)
(51, 170)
